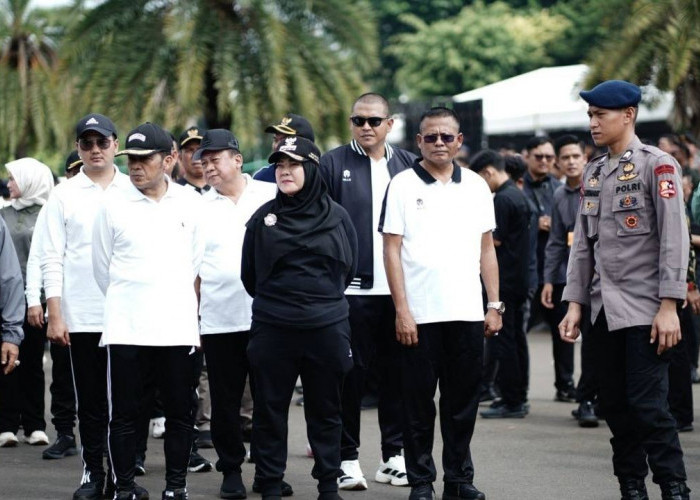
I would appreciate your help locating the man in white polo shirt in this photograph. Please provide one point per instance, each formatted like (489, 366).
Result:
(437, 224)
(75, 303)
(146, 255)
(225, 307)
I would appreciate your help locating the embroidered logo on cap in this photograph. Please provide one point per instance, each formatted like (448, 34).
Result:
(286, 120)
(137, 137)
(289, 144)
(193, 133)
(92, 121)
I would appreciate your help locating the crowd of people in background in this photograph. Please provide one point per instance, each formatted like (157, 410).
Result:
(186, 298)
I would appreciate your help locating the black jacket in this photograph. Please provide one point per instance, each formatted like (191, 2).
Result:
(346, 170)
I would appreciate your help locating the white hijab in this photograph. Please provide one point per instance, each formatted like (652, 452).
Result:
(34, 181)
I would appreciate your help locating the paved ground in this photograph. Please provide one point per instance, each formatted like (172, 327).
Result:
(545, 456)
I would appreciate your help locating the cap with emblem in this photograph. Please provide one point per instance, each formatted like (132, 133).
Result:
(293, 124)
(191, 134)
(297, 148)
(147, 139)
(73, 161)
(613, 94)
(97, 122)
(216, 139)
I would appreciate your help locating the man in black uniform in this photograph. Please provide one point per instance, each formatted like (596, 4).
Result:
(629, 262)
(357, 175)
(191, 174)
(512, 241)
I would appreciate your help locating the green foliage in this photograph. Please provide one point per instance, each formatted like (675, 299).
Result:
(658, 44)
(482, 44)
(239, 64)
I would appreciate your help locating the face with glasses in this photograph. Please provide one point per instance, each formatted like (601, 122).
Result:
(96, 150)
(370, 125)
(540, 160)
(439, 141)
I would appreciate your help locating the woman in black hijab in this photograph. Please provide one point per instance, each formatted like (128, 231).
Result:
(299, 256)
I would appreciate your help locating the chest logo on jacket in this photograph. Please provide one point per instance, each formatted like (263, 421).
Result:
(419, 204)
(347, 176)
(628, 202)
(628, 172)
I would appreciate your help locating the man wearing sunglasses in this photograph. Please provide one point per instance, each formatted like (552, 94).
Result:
(75, 303)
(357, 175)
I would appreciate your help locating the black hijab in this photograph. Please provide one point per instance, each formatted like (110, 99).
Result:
(306, 221)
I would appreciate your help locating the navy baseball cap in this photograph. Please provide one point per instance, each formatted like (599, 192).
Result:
(147, 139)
(97, 122)
(297, 148)
(216, 139)
(293, 124)
(191, 134)
(613, 94)
(73, 161)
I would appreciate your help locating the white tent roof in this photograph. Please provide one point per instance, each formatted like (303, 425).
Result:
(547, 99)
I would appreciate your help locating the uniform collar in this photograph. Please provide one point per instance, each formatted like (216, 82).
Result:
(213, 194)
(82, 180)
(426, 177)
(134, 194)
(355, 146)
(625, 157)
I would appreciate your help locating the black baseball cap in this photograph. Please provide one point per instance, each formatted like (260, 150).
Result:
(297, 148)
(73, 161)
(97, 122)
(216, 139)
(293, 124)
(147, 139)
(191, 134)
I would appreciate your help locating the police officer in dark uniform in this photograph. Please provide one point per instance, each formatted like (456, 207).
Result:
(629, 262)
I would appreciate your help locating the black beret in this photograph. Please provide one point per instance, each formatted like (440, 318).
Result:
(613, 94)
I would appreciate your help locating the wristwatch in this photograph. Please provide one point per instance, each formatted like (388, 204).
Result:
(500, 307)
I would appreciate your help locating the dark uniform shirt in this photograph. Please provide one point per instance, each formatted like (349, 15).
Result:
(541, 193)
(513, 231)
(631, 239)
(561, 234)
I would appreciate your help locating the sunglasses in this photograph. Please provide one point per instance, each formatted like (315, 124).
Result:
(432, 138)
(543, 157)
(102, 143)
(374, 121)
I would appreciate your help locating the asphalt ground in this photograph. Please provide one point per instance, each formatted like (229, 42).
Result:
(544, 456)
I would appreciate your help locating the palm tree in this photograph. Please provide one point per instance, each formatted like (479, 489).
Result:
(659, 45)
(29, 110)
(237, 64)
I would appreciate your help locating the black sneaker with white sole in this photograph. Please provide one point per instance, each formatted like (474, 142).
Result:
(198, 463)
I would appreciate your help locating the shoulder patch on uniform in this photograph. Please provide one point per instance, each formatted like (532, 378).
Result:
(664, 169)
(667, 189)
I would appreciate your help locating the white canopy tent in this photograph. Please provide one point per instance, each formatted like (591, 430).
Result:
(547, 99)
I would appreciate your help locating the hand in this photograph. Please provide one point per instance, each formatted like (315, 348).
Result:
(8, 355)
(492, 323)
(569, 328)
(544, 223)
(35, 316)
(546, 297)
(57, 331)
(406, 329)
(694, 300)
(666, 327)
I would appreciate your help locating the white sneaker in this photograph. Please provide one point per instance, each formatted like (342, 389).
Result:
(392, 471)
(352, 478)
(158, 427)
(37, 438)
(8, 439)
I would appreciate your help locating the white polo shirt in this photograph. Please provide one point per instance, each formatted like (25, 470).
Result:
(224, 305)
(146, 256)
(380, 178)
(442, 226)
(65, 247)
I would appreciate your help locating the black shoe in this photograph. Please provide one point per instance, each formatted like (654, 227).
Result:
(633, 489)
(422, 492)
(204, 439)
(232, 486)
(369, 402)
(198, 463)
(89, 491)
(286, 488)
(567, 395)
(455, 491)
(586, 415)
(178, 494)
(139, 468)
(504, 411)
(64, 446)
(684, 427)
(675, 490)
(141, 493)
(329, 495)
